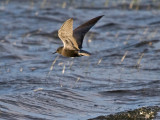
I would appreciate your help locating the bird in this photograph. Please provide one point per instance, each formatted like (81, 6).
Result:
(73, 39)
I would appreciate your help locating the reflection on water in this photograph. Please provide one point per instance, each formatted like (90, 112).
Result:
(122, 73)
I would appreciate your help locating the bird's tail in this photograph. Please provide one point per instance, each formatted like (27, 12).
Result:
(83, 53)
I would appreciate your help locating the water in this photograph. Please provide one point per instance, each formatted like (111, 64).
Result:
(122, 73)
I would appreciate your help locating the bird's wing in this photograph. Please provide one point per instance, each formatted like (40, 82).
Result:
(65, 33)
(80, 31)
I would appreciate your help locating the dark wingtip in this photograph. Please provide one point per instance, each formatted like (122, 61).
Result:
(99, 17)
(80, 31)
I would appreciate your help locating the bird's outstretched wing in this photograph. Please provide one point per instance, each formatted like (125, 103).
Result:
(65, 33)
(80, 31)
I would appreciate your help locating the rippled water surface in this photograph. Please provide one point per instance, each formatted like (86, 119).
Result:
(123, 72)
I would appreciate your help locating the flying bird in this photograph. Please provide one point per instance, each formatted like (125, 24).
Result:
(73, 39)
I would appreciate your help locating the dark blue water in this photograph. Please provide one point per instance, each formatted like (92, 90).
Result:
(123, 72)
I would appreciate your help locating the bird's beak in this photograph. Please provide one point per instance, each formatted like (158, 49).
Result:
(54, 52)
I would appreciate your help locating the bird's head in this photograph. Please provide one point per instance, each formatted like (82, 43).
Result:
(59, 50)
